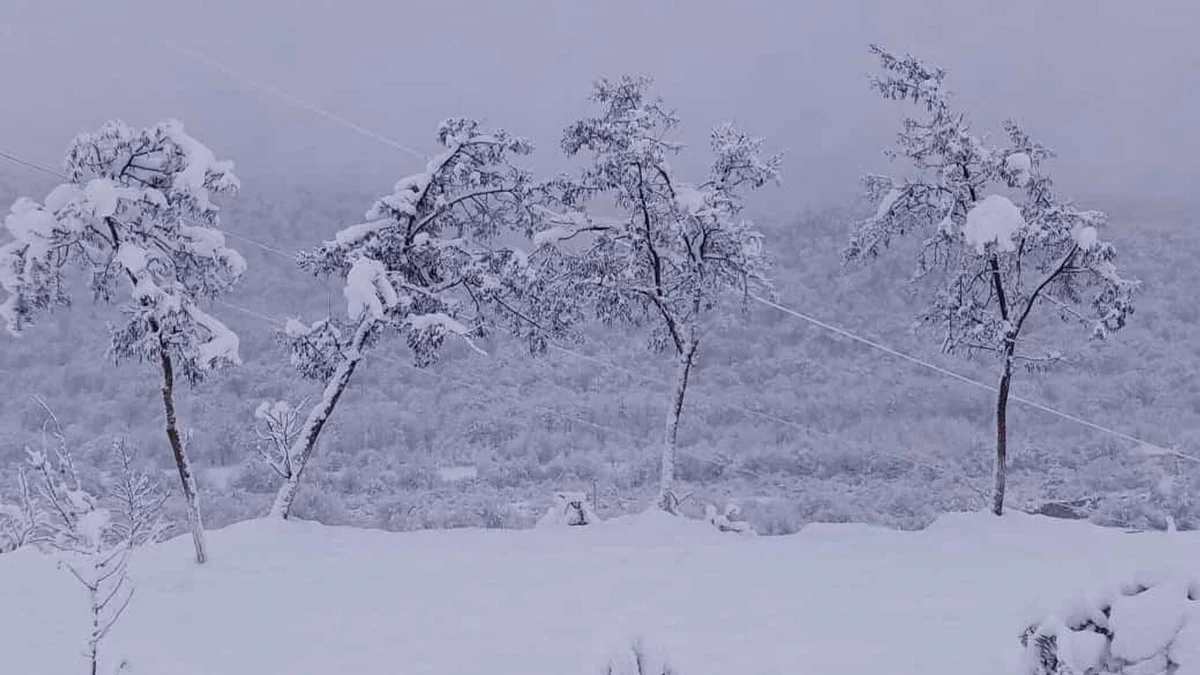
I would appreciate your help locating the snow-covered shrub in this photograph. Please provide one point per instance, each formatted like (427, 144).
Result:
(569, 509)
(1144, 629)
(730, 520)
(21, 523)
(92, 535)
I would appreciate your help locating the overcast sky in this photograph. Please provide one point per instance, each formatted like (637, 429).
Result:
(1107, 83)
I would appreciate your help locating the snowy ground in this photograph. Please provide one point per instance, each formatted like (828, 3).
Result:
(304, 599)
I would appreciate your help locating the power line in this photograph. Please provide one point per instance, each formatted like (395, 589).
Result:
(257, 244)
(462, 383)
(291, 99)
(32, 165)
(1144, 446)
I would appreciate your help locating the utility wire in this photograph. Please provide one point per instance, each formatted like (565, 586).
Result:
(1142, 446)
(291, 99)
(491, 392)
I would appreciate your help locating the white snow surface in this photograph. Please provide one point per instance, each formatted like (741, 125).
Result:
(996, 220)
(552, 235)
(1146, 624)
(104, 196)
(889, 200)
(304, 599)
(199, 164)
(447, 323)
(690, 199)
(1086, 237)
(1020, 166)
(349, 236)
(367, 289)
(222, 344)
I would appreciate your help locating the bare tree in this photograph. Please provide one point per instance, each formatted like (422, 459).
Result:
(675, 250)
(136, 213)
(990, 261)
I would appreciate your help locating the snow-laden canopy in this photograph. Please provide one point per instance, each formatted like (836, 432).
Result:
(137, 214)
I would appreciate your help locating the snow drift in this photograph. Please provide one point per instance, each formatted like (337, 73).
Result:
(303, 599)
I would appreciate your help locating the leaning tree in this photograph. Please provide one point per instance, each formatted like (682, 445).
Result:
(673, 251)
(1000, 244)
(434, 259)
(137, 217)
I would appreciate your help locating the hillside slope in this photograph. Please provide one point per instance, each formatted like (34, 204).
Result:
(863, 437)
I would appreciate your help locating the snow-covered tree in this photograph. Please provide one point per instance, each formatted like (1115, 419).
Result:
(81, 532)
(137, 217)
(134, 497)
(999, 242)
(20, 523)
(279, 425)
(428, 264)
(674, 250)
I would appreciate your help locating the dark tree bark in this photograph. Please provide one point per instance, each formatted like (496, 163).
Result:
(187, 479)
(667, 500)
(1002, 437)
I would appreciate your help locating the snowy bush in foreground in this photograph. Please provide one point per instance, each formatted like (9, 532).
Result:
(137, 216)
(21, 524)
(730, 520)
(569, 509)
(1142, 630)
(92, 537)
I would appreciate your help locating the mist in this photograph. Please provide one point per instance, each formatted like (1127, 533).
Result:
(1104, 84)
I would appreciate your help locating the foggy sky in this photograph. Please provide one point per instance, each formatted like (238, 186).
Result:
(1106, 83)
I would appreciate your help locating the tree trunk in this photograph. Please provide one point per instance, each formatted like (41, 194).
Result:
(306, 443)
(667, 501)
(191, 496)
(1002, 437)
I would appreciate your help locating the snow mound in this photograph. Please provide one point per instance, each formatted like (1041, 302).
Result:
(995, 220)
(367, 290)
(1020, 167)
(1086, 237)
(1143, 629)
(570, 509)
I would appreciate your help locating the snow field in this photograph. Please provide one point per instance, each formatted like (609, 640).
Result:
(305, 599)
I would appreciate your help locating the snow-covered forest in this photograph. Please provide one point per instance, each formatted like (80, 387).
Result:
(647, 330)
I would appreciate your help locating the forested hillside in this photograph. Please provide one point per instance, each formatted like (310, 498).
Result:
(842, 432)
